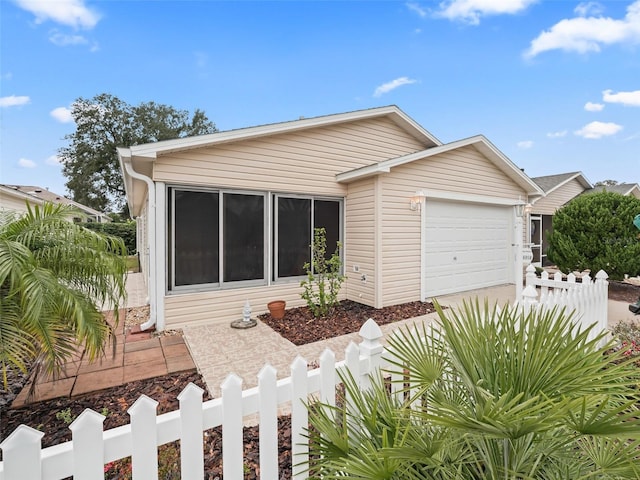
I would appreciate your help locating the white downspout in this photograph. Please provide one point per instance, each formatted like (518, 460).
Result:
(151, 225)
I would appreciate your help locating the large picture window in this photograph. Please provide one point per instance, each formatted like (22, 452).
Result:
(219, 237)
(195, 233)
(216, 237)
(296, 218)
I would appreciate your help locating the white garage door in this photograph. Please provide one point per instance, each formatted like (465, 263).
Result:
(466, 246)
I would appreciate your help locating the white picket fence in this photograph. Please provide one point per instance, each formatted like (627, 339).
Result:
(91, 448)
(588, 298)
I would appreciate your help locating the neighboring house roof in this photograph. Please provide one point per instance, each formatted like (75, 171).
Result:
(549, 183)
(12, 191)
(621, 188)
(40, 195)
(479, 142)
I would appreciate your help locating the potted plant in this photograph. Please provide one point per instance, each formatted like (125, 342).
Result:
(276, 308)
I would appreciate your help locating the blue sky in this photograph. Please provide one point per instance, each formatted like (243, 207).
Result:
(555, 85)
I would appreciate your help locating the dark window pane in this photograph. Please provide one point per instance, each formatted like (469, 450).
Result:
(196, 238)
(294, 235)
(326, 214)
(243, 233)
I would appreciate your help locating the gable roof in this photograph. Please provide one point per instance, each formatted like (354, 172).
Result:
(549, 183)
(152, 150)
(31, 192)
(621, 188)
(480, 142)
(139, 158)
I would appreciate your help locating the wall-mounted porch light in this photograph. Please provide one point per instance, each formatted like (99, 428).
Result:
(417, 200)
(520, 207)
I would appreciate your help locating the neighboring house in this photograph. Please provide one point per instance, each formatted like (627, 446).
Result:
(14, 197)
(627, 189)
(228, 217)
(560, 189)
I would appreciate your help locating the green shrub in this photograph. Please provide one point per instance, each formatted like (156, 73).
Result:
(126, 231)
(324, 276)
(596, 232)
(488, 393)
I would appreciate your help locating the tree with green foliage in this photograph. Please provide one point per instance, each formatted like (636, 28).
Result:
(595, 232)
(103, 123)
(487, 393)
(125, 230)
(55, 277)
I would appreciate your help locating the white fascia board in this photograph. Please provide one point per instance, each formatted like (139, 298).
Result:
(151, 150)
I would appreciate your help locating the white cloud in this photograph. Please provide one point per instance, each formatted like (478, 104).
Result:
(416, 8)
(392, 85)
(598, 130)
(560, 134)
(73, 13)
(26, 163)
(593, 107)
(13, 101)
(62, 114)
(525, 144)
(630, 99)
(64, 40)
(470, 11)
(6, 76)
(53, 160)
(588, 8)
(589, 34)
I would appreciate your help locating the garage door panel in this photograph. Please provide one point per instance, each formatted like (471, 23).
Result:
(466, 246)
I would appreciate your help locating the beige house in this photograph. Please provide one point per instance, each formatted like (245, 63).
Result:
(228, 217)
(558, 190)
(15, 198)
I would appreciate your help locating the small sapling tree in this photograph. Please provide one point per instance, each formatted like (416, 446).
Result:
(324, 276)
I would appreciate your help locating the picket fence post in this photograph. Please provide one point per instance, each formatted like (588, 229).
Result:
(88, 446)
(268, 440)
(232, 441)
(299, 418)
(191, 451)
(21, 453)
(144, 436)
(371, 349)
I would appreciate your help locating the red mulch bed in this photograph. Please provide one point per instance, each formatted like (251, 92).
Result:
(300, 327)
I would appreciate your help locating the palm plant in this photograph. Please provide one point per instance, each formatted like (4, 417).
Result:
(54, 278)
(487, 393)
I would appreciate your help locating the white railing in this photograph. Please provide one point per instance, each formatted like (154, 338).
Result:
(587, 298)
(91, 448)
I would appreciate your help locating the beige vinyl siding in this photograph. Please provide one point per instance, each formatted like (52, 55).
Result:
(225, 306)
(557, 198)
(463, 171)
(299, 162)
(360, 241)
